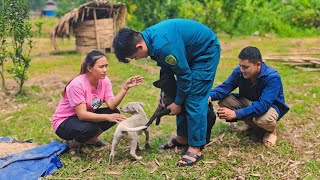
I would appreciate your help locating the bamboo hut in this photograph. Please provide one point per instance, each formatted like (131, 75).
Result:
(94, 25)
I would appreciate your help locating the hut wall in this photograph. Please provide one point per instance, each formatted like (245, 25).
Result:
(86, 34)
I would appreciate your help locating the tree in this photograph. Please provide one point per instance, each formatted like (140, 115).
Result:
(3, 40)
(148, 13)
(21, 43)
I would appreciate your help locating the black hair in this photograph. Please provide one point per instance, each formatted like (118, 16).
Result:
(125, 42)
(252, 54)
(89, 60)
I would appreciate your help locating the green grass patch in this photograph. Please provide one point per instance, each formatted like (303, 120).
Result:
(231, 155)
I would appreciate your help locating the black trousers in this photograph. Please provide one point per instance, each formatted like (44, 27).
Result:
(83, 131)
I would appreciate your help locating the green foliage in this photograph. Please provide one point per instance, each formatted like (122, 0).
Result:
(21, 44)
(65, 6)
(3, 40)
(147, 13)
(36, 5)
(39, 26)
(237, 18)
(42, 26)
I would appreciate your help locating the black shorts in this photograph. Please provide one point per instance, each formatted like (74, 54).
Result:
(83, 131)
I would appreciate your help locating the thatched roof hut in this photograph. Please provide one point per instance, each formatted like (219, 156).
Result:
(94, 25)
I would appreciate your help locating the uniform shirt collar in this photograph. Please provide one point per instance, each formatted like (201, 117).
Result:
(151, 50)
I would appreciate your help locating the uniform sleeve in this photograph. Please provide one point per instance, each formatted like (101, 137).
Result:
(76, 95)
(268, 96)
(227, 86)
(108, 90)
(181, 69)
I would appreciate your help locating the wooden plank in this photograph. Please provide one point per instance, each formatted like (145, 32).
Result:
(104, 42)
(291, 58)
(100, 22)
(294, 54)
(315, 62)
(308, 69)
(86, 49)
(95, 27)
(86, 42)
(298, 64)
(91, 28)
(91, 34)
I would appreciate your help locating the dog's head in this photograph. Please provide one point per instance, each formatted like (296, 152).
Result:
(133, 108)
(167, 84)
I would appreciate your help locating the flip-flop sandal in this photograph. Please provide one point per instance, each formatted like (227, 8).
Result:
(174, 142)
(189, 162)
(269, 139)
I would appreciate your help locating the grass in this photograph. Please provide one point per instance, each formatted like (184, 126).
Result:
(231, 155)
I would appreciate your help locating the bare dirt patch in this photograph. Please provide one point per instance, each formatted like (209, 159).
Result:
(47, 87)
(10, 148)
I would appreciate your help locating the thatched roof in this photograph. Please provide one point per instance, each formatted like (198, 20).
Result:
(103, 9)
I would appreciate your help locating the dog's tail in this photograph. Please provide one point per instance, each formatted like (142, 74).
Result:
(135, 128)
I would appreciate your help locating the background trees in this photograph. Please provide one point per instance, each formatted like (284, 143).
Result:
(242, 17)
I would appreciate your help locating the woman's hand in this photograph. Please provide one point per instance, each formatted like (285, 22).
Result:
(115, 117)
(132, 81)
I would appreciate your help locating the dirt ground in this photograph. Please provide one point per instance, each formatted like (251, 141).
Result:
(10, 148)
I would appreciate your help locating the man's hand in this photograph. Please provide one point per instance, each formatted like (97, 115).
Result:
(227, 114)
(174, 108)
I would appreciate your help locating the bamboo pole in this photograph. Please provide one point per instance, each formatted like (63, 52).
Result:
(95, 27)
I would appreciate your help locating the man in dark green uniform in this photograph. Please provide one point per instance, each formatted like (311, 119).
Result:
(190, 51)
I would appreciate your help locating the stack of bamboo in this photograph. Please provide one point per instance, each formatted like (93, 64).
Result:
(302, 61)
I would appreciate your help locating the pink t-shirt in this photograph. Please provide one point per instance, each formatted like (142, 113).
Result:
(79, 91)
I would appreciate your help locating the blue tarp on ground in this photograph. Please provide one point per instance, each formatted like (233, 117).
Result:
(32, 163)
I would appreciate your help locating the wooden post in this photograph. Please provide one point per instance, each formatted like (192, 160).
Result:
(96, 29)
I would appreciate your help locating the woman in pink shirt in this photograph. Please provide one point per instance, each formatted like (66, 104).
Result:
(78, 117)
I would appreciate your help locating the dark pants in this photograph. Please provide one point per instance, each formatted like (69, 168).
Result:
(83, 131)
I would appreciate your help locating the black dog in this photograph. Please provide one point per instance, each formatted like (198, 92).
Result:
(168, 87)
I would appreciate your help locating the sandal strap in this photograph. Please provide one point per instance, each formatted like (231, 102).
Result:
(174, 142)
(188, 161)
(188, 153)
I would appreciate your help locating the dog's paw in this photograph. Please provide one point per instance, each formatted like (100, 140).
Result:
(138, 157)
(110, 160)
(147, 146)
